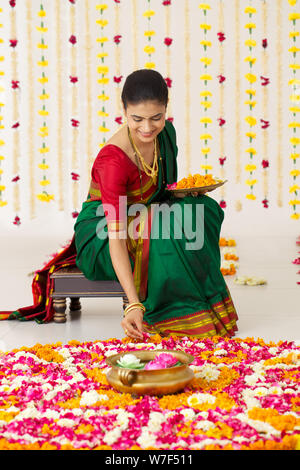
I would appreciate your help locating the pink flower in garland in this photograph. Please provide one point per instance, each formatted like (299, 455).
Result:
(72, 39)
(265, 203)
(168, 82)
(117, 38)
(14, 126)
(264, 43)
(72, 1)
(221, 78)
(15, 179)
(265, 163)
(75, 214)
(117, 1)
(223, 204)
(166, 2)
(75, 176)
(265, 124)
(222, 160)
(12, 3)
(118, 79)
(75, 122)
(168, 41)
(221, 121)
(15, 84)
(171, 119)
(119, 120)
(17, 221)
(221, 37)
(13, 42)
(73, 79)
(265, 80)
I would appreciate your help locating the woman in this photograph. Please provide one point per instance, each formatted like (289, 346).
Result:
(172, 285)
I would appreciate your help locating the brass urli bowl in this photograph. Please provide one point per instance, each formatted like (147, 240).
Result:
(150, 382)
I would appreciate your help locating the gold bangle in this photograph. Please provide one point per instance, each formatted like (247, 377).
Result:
(132, 306)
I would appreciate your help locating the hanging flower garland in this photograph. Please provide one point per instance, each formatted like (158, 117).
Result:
(15, 115)
(74, 112)
(149, 49)
(2, 141)
(103, 71)
(222, 79)
(60, 115)
(168, 41)
(265, 123)
(187, 81)
(134, 30)
(205, 93)
(280, 123)
(237, 111)
(118, 77)
(90, 151)
(44, 196)
(295, 141)
(250, 119)
(31, 112)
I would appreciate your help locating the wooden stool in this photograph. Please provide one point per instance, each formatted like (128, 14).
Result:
(71, 282)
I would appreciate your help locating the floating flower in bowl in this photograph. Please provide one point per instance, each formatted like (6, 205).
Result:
(150, 372)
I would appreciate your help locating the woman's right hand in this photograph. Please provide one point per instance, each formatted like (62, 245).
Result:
(133, 324)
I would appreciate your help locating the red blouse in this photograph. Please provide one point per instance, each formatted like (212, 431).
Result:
(113, 175)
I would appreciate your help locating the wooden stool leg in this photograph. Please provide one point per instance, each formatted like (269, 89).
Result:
(75, 304)
(59, 306)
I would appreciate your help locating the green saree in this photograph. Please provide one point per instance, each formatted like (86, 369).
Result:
(177, 278)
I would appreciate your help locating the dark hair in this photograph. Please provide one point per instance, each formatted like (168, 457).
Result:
(144, 85)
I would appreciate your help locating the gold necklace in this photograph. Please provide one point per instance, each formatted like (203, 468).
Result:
(150, 171)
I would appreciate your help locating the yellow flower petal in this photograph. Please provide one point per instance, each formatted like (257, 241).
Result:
(150, 65)
(295, 172)
(295, 216)
(43, 166)
(294, 16)
(103, 129)
(206, 120)
(250, 42)
(294, 188)
(102, 22)
(44, 182)
(149, 49)
(204, 6)
(44, 150)
(251, 197)
(101, 6)
(250, 120)
(149, 33)
(3, 203)
(148, 13)
(205, 77)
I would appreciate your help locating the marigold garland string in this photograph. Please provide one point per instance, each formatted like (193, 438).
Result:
(44, 196)
(2, 141)
(205, 93)
(294, 125)
(103, 71)
(149, 49)
(15, 116)
(251, 92)
(31, 113)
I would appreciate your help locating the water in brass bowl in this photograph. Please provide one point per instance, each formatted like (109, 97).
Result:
(150, 382)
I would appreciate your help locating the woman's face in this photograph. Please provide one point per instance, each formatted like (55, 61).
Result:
(145, 120)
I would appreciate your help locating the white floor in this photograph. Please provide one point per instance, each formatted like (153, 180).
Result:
(270, 312)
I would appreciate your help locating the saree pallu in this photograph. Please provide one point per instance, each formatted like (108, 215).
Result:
(183, 289)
